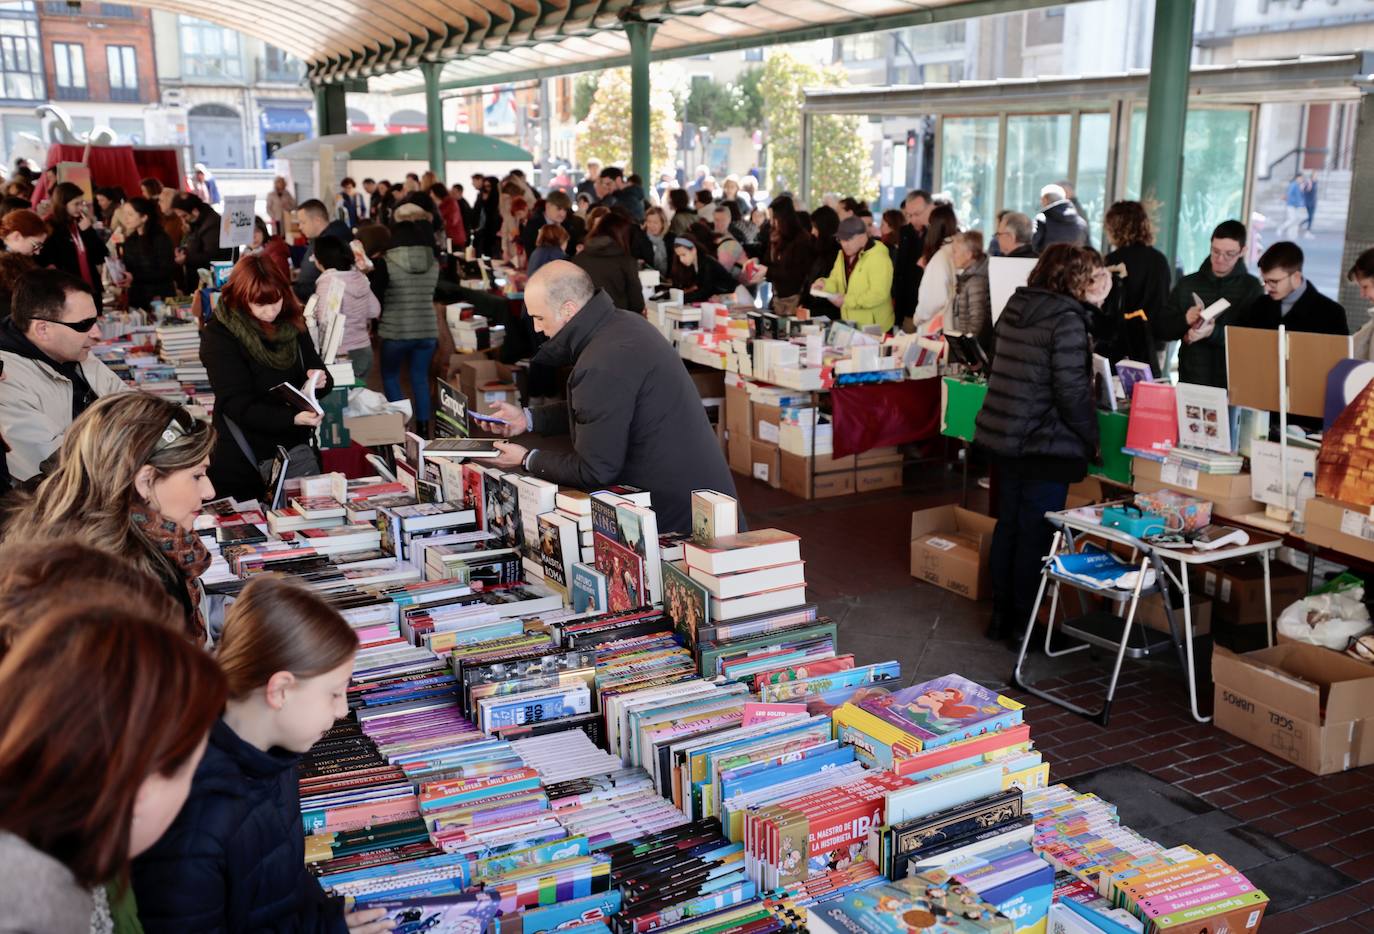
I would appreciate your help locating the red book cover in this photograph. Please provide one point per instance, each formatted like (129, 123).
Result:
(624, 570)
(943, 755)
(825, 666)
(1153, 425)
(474, 497)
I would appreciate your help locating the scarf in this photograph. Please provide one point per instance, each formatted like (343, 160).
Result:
(184, 551)
(277, 352)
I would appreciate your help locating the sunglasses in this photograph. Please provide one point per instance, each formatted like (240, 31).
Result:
(182, 425)
(81, 327)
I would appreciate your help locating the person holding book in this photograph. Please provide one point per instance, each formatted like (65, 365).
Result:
(357, 302)
(255, 341)
(1124, 329)
(234, 858)
(1039, 420)
(95, 762)
(1289, 298)
(860, 282)
(696, 271)
(634, 415)
(131, 477)
(1202, 358)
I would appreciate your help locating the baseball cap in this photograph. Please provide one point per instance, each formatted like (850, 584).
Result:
(851, 227)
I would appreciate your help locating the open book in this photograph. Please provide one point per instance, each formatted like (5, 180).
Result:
(302, 400)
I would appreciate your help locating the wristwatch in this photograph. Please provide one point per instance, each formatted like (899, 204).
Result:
(525, 464)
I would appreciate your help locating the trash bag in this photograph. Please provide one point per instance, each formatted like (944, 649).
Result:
(1327, 619)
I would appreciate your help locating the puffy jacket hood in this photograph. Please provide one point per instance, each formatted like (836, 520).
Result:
(412, 259)
(1061, 211)
(1029, 306)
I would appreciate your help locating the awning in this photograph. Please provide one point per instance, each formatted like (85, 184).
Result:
(285, 120)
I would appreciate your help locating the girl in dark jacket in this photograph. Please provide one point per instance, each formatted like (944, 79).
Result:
(73, 244)
(1123, 328)
(255, 341)
(606, 258)
(825, 223)
(1039, 420)
(791, 254)
(148, 255)
(234, 859)
(697, 273)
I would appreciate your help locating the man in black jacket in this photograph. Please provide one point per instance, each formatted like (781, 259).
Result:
(556, 209)
(633, 412)
(1289, 299)
(314, 221)
(200, 246)
(1057, 221)
(906, 273)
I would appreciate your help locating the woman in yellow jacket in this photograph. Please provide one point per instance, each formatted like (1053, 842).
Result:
(860, 284)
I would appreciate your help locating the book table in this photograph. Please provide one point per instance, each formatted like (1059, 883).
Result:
(1123, 633)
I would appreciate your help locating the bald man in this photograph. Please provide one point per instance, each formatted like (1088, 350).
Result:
(633, 412)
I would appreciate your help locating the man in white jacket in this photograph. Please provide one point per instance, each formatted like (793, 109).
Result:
(50, 375)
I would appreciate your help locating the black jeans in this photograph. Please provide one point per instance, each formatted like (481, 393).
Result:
(1021, 540)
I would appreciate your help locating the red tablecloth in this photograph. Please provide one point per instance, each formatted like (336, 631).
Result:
(350, 461)
(884, 414)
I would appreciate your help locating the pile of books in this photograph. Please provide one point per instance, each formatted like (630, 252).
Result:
(1211, 462)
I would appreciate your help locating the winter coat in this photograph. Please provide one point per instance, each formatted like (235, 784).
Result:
(633, 412)
(243, 392)
(359, 305)
(789, 264)
(59, 251)
(39, 893)
(704, 283)
(868, 291)
(631, 198)
(613, 270)
(1204, 362)
(682, 222)
(411, 274)
(234, 858)
(150, 261)
(972, 311)
(1040, 390)
(1313, 312)
(309, 273)
(1123, 329)
(36, 399)
(201, 244)
(935, 294)
(1058, 223)
(542, 255)
(907, 272)
(452, 214)
(280, 204)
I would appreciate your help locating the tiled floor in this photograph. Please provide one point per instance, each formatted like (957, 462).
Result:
(1300, 835)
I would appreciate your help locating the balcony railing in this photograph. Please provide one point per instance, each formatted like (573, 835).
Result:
(72, 94)
(125, 95)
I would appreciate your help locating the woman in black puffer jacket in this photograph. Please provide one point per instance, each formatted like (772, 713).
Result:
(1039, 421)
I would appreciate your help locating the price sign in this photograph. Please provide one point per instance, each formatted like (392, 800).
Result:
(236, 224)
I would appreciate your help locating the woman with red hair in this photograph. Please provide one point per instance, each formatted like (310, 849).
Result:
(257, 340)
(22, 234)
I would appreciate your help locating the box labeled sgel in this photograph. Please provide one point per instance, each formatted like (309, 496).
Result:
(949, 548)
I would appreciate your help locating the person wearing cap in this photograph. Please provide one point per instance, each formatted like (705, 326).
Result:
(860, 284)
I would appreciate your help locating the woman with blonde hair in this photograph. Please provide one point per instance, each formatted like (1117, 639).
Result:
(130, 479)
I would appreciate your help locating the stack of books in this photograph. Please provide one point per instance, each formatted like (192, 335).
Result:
(749, 573)
(1202, 461)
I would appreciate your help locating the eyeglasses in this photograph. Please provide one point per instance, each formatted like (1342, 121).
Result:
(1279, 280)
(1226, 254)
(81, 327)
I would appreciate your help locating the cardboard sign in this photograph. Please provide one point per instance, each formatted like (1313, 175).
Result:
(236, 223)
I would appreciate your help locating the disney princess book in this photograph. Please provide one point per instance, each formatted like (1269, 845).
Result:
(945, 710)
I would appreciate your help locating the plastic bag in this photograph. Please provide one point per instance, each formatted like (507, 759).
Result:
(371, 402)
(1327, 619)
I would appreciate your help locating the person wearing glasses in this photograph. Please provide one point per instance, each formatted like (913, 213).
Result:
(1290, 299)
(1202, 358)
(1014, 235)
(50, 375)
(22, 234)
(131, 477)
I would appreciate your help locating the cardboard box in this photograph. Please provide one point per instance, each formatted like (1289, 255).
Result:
(949, 548)
(1230, 495)
(1150, 614)
(738, 415)
(880, 477)
(799, 479)
(710, 383)
(1342, 527)
(875, 456)
(765, 421)
(372, 430)
(486, 383)
(1302, 703)
(1238, 589)
(765, 463)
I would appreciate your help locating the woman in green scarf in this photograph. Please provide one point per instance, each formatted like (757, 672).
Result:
(256, 341)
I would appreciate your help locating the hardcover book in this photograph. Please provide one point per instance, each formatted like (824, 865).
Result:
(944, 710)
(589, 589)
(624, 572)
(685, 601)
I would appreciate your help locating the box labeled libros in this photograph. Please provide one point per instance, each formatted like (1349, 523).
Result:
(1302, 703)
(949, 548)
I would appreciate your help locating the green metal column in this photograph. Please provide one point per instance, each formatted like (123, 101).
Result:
(1166, 120)
(331, 112)
(641, 35)
(434, 116)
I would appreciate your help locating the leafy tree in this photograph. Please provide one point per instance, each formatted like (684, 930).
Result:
(840, 159)
(605, 133)
(584, 89)
(748, 99)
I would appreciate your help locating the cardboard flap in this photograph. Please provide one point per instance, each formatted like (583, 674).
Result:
(1310, 359)
(1349, 683)
(976, 526)
(939, 518)
(1258, 675)
(1250, 384)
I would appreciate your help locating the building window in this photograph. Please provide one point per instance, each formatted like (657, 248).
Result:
(277, 65)
(61, 8)
(209, 51)
(116, 11)
(21, 67)
(122, 62)
(69, 71)
(753, 55)
(861, 48)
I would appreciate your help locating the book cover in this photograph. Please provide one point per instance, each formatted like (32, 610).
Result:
(685, 601)
(714, 515)
(451, 413)
(1130, 373)
(505, 522)
(589, 589)
(604, 515)
(1204, 417)
(298, 399)
(946, 708)
(1153, 424)
(558, 550)
(745, 551)
(624, 571)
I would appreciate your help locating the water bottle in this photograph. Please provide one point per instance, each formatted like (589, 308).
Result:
(1306, 490)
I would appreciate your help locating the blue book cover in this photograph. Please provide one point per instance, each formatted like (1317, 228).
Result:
(588, 589)
(785, 773)
(587, 910)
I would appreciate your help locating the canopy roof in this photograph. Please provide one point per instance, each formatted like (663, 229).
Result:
(409, 147)
(485, 42)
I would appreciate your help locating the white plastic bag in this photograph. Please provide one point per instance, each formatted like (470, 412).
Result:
(371, 402)
(1329, 620)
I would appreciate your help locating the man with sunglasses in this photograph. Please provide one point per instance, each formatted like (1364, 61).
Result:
(50, 375)
(1202, 358)
(1290, 299)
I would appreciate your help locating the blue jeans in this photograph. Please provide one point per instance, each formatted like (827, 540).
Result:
(417, 354)
(1021, 540)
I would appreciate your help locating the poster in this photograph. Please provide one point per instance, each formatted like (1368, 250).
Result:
(236, 221)
(1006, 274)
(79, 174)
(499, 112)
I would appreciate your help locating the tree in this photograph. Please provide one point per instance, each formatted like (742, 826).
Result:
(840, 160)
(605, 133)
(584, 89)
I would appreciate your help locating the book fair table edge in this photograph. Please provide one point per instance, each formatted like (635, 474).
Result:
(1171, 568)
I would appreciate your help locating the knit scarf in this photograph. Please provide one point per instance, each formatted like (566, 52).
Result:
(277, 352)
(184, 551)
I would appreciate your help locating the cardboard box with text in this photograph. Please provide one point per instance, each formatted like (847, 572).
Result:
(949, 548)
